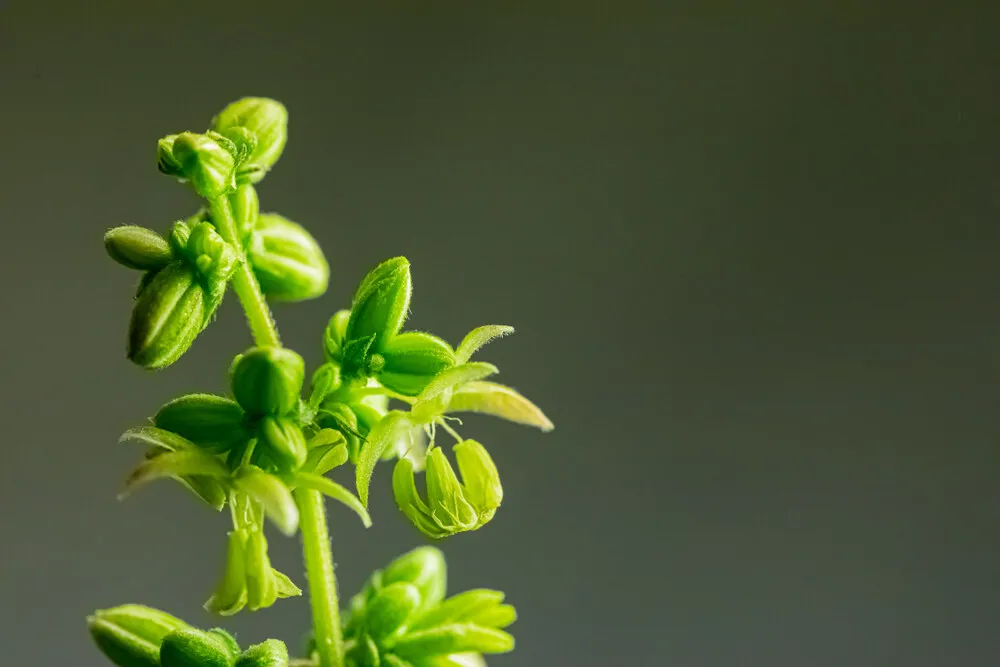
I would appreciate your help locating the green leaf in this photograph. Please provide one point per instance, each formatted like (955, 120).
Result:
(262, 585)
(434, 397)
(453, 660)
(175, 464)
(479, 337)
(159, 439)
(454, 638)
(231, 593)
(271, 492)
(458, 609)
(498, 400)
(385, 433)
(333, 336)
(324, 458)
(330, 488)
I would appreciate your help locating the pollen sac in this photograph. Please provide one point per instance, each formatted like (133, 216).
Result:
(412, 359)
(130, 635)
(207, 165)
(138, 248)
(268, 380)
(267, 121)
(451, 506)
(287, 260)
(168, 315)
(380, 303)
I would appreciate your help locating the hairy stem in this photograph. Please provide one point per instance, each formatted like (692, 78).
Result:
(312, 513)
(322, 583)
(262, 326)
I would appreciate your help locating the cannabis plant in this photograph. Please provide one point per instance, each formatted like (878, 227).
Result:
(264, 450)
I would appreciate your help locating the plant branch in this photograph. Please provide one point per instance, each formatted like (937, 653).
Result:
(322, 582)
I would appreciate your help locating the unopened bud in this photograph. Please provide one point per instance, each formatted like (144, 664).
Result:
(287, 260)
(268, 380)
(381, 302)
(130, 635)
(412, 359)
(285, 443)
(190, 647)
(206, 164)
(167, 317)
(271, 653)
(137, 248)
(267, 121)
(212, 422)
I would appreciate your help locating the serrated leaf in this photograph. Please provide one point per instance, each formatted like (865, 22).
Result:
(271, 492)
(386, 432)
(498, 400)
(175, 464)
(330, 488)
(479, 337)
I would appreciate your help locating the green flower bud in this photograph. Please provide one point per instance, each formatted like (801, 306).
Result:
(268, 380)
(454, 638)
(267, 120)
(412, 359)
(246, 209)
(229, 641)
(287, 260)
(212, 422)
(214, 259)
(271, 653)
(381, 302)
(208, 166)
(262, 588)
(480, 478)
(333, 337)
(190, 647)
(137, 248)
(445, 495)
(390, 608)
(130, 635)
(243, 142)
(423, 567)
(231, 594)
(167, 317)
(285, 443)
(165, 160)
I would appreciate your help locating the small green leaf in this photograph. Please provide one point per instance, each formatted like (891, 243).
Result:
(460, 608)
(262, 586)
(425, 568)
(330, 488)
(479, 337)
(271, 492)
(324, 458)
(453, 660)
(175, 464)
(434, 398)
(231, 594)
(385, 433)
(159, 439)
(497, 616)
(284, 442)
(232, 647)
(454, 638)
(499, 401)
(138, 248)
(286, 587)
(412, 359)
(333, 336)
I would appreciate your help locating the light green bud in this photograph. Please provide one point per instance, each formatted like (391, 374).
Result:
(285, 443)
(267, 120)
(137, 248)
(246, 209)
(445, 496)
(168, 315)
(412, 359)
(390, 608)
(130, 635)
(207, 165)
(190, 647)
(165, 160)
(287, 260)
(480, 478)
(271, 653)
(423, 567)
(268, 380)
(212, 422)
(381, 303)
(333, 337)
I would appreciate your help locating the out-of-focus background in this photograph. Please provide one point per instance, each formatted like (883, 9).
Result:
(752, 256)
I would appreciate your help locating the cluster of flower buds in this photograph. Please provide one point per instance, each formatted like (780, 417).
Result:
(185, 276)
(137, 636)
(401, 618)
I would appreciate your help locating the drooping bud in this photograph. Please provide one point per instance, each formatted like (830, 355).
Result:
(412, 359)
(137, 248)
(423, 567)
(231, 594)
(381, 303)
(267, 121)
(271, 653)
(190, 647)
(212, 422)
(130, 635)
(287, 260)
(207, 165)
(268, 380)
(479, 478)
(167, 316)
(333, 337)
(285, 443)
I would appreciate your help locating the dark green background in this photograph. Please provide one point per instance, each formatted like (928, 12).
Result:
(751, 255)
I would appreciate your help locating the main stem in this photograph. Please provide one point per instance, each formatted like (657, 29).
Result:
(316, 548)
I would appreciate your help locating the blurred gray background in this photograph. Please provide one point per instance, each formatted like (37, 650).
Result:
(751, 256)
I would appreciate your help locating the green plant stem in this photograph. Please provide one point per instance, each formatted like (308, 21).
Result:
(316, 549)
(322, 582)
(262, 326)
